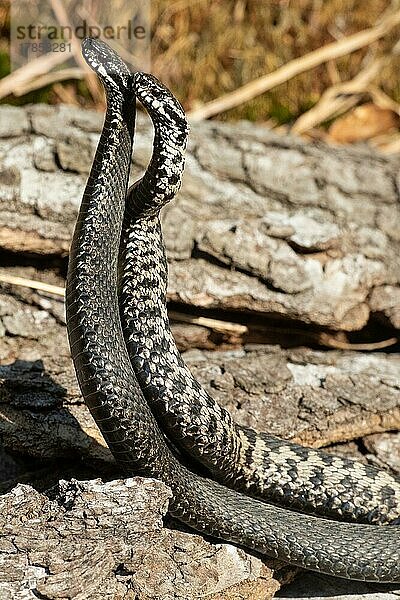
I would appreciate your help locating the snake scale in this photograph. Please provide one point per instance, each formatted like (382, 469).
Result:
(109, 384)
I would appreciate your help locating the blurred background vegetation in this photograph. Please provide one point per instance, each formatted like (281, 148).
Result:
(203, 49)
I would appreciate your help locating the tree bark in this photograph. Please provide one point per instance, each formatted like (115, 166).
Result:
(88, 539)
(94, 541)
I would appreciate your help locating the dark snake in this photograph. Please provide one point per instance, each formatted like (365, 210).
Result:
(108, 381)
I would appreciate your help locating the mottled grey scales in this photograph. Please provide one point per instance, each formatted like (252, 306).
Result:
(257, 463)
(113, 395)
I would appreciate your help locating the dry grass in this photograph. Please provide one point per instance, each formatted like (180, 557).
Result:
(203, 49)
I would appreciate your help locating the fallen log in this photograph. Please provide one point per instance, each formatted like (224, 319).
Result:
(105, 540)
(263, 223)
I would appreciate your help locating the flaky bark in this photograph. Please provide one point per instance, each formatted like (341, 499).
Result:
(105, 540)
(96, 541)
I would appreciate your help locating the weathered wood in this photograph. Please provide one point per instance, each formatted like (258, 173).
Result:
(313, 397)
(96, 541)
(385, 448)
(263, 223)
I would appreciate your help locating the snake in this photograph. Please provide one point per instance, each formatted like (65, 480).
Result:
(111, 390)
(256, 463)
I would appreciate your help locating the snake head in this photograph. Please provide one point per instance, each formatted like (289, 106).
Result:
(106, 63)
(164, 109)
(163, 176)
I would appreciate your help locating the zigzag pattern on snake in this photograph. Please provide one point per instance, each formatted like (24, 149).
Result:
(256, 463)
(113, 395)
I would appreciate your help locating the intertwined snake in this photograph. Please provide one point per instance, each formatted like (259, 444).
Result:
(119, 392)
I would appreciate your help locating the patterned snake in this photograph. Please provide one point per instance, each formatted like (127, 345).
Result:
(256, 463)
(118, 391)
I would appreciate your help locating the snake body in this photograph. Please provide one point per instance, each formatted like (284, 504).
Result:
(257, 463)
(112, 392)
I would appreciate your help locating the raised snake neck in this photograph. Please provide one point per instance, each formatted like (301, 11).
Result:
(111, 390)
(260, 464)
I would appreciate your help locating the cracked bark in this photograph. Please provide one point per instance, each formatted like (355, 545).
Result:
(105, 540)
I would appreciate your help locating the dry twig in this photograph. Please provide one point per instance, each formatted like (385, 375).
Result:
(383, 100)
(215, 324)
(25, 75)
(39, 286)
(322, 338)
(47, 79)
(338, 99)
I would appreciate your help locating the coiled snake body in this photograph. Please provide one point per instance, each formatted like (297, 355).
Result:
(108, 381)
